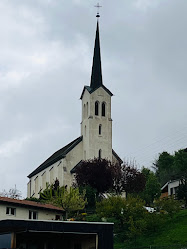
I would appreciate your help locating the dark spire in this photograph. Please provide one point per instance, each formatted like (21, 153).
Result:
(96, 77)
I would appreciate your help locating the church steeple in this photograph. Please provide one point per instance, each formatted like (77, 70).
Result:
(96, 76)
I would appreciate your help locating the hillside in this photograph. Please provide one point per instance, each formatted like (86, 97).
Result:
(174, 232)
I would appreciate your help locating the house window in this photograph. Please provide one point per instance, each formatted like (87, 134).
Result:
(10, 211)
(103, 109)
(100, 154)
(33, 215)
(100, 126)
(96, 108)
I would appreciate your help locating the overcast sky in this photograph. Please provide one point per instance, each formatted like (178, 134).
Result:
(46, 50)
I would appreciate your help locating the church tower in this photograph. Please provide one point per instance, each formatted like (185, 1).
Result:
(96, 125)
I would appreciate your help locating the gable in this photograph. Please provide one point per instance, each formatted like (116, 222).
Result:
(90, 90)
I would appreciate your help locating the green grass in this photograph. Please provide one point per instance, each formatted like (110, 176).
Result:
(173, 232)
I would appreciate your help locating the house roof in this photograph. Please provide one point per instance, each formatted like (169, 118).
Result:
(30, 204)
(167, 183)
(56, 156)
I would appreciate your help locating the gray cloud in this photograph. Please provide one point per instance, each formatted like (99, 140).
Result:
(46, 50)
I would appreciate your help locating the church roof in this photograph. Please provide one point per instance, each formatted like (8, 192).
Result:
(76, 166)
(117, 157)
(56, 156)
(96, 76)
(79, 163)
(91, 90)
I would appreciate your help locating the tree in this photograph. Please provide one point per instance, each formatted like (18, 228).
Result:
(169, 205)
(104, 176)
(95, 173)
(152, 189)
(180, 164)
(127, 214)
(164, 167)
(13, 193)
(71, 200)
(133, 180)
(182, 191)
(90, 196)
(171, 167)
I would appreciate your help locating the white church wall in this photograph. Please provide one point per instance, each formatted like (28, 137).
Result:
(92, 140)
(70, 161)
(38, 182)
(60, 170)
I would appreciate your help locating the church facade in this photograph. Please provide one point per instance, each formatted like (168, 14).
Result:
(96, 135)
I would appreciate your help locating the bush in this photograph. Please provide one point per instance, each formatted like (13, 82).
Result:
(127, 215)
(168, 205)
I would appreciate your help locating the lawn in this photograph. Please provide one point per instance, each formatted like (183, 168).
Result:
(173, 232)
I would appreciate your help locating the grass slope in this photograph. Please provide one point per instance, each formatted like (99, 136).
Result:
(173, 232)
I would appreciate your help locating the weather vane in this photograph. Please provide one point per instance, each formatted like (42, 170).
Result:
(98, 6)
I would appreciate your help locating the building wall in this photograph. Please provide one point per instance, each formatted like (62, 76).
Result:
(60, 170)
(172, 187)
(23, 213)
(163, 195)
(70, 161)
(92, 140)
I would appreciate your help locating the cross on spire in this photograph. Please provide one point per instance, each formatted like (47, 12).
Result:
(98, 6)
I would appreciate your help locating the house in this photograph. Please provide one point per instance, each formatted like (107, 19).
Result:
(96, 134)
(28, 210)
(170, 188)
(55, 234)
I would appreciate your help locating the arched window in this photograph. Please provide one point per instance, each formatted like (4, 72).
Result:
(100, 154)
(103, 109)
(84, 111)
(96, 108)
(100, 127)
(87, 109)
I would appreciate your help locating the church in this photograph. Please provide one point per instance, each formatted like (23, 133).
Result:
(96, 134)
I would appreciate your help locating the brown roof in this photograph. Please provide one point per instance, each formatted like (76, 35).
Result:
(32, 204)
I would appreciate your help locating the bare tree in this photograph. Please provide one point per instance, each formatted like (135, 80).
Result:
(13, 193)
